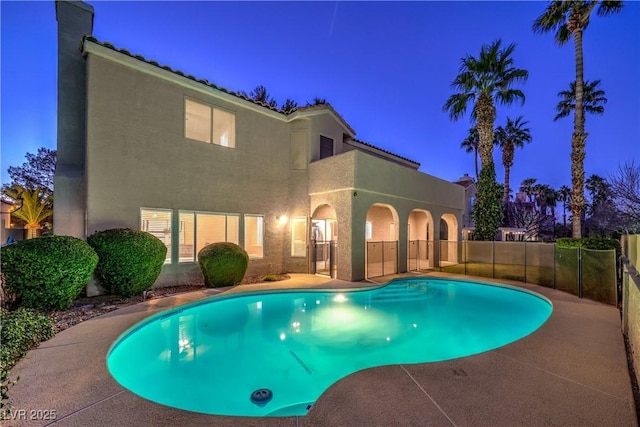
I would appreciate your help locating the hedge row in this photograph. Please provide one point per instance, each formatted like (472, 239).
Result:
(49, 273)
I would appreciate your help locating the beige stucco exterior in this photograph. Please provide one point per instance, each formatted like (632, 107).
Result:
(137, 156)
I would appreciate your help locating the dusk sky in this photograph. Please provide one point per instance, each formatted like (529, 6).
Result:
(386, 67)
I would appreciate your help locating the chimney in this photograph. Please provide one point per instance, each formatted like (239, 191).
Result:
(75, 20)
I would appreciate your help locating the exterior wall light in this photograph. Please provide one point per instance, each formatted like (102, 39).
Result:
(282, 219)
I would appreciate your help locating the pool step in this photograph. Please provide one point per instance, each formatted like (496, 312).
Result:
(404, 292)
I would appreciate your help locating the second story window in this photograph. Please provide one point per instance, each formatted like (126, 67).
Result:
(205, 123)
(326, 147)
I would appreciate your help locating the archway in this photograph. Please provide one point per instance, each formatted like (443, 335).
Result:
(381, 238)
(420, 236)
(324, 241)
(448, 239)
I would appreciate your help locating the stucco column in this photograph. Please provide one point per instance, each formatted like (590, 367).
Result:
(75, 20)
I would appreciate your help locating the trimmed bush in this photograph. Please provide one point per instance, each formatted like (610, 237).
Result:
(22, 330)
(129, 262)
(46, 273)
(223, 264)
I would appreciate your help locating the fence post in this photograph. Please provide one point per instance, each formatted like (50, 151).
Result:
(493, 259)
(579, 272)
(525, 262)
(554, 266)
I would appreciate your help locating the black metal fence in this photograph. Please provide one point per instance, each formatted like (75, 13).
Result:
(583, 272)
(382, 258)
(324, 258)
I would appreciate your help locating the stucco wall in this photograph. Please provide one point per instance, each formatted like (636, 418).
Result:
(137, 156)
(362, 180)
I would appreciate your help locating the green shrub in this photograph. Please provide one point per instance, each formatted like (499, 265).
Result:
(271, 278)
(46, 273)
(487, 211)
(22, 330)
(223, 264)
(129, 262)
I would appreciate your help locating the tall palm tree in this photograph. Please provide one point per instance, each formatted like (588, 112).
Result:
(546, 198)
(470, 145)
(513, 135)
(35, 205)
(599, 189)
(564, 195)
(527, 187)
(486, 81)
(566, 19)
(592, 99)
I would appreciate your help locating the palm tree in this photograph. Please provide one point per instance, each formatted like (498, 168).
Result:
(470, 145)
(35, 205)
(513, 135)
(599, 189)
(592, 99)
(570, 18)
(564, 195)
(527, 187)
(546, 198)
(486, 81)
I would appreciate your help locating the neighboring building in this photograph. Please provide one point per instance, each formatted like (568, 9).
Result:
(9, 232)
(144, 146)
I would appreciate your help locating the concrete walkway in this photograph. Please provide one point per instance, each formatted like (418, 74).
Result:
(571, 371)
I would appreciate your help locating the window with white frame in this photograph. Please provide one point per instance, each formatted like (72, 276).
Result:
(158, 223)
(254, 235)
(205, 123)
(198, 229)
(299, 237)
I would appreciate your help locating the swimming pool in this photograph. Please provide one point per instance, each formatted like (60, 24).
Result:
(288, 347)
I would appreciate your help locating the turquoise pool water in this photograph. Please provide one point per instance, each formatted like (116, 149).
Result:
(211, 355)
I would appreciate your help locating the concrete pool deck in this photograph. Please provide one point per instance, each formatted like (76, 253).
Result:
(571, 371)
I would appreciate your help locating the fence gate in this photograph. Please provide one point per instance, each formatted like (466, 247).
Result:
(324, 257)
(382, 258)
(418, 255)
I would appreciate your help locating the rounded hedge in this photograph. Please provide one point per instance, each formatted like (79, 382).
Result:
(129, 262)
(223, 264)
(47, 273)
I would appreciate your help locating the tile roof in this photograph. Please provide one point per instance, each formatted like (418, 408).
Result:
(386, 151)
(180, 73)
(302, 109)
(465, 183)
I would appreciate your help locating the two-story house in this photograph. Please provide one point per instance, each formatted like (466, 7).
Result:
(144, 146)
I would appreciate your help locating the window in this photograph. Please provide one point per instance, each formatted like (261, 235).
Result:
(158, 223)
(254, 235)
(198, 229)
(368, 230)
(209, 124)
(299, 237)
(326, 147)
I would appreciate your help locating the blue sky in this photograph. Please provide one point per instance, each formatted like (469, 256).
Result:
(386, 67)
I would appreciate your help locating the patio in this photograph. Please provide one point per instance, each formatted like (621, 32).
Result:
(572, 371)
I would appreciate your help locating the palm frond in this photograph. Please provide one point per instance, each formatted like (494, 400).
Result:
(456, 105)
(609, 7)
